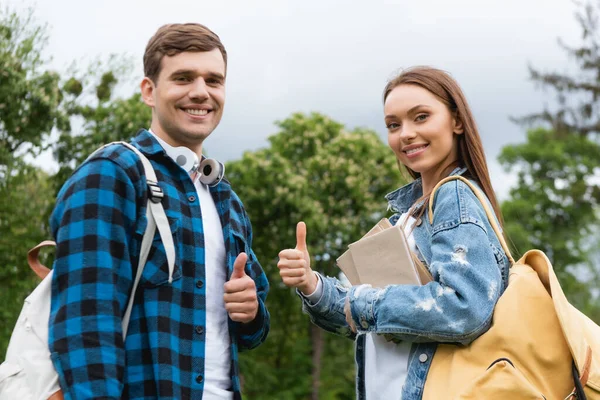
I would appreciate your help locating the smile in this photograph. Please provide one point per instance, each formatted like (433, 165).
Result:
(416, 150)
(193, 111)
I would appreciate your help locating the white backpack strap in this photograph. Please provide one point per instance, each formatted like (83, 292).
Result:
(155, 214)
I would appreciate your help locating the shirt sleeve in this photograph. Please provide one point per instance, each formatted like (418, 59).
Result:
(93, 224)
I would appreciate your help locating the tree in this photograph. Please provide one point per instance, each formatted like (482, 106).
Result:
(29, 108)
(555, 205)
(96, 115)
(334, 180)
(29, 96)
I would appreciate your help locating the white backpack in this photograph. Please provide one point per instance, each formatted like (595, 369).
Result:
(28, 372)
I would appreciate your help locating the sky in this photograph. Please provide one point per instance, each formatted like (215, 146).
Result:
(335, 57)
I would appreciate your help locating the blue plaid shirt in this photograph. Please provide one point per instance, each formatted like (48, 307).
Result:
(98, 224)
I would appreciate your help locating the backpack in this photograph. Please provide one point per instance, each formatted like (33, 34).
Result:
(28, 372)
(538, 347)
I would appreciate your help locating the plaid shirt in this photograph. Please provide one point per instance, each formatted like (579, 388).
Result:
(98, 224)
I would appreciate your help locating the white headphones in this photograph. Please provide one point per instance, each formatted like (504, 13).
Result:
(209, 171)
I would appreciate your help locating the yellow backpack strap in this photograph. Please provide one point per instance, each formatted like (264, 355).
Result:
(482, 200)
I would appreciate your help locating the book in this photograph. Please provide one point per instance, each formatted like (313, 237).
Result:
(382, 257)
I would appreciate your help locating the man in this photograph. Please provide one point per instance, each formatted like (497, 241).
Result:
(184, 336)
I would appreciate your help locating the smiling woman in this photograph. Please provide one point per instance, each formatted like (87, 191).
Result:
(397, 328)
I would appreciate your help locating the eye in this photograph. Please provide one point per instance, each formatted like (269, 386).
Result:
(213, 82)
(392, 125)
(421, 117)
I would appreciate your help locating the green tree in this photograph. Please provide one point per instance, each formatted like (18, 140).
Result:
(96, 114)
(29, 96)
(29, 108)
(334, 180)
(555, 205)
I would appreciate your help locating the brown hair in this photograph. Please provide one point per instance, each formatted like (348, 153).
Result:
(470, 148)
(173, 39)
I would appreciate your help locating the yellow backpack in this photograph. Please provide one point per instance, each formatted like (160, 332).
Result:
(538, 347)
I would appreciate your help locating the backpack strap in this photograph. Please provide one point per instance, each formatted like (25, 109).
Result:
(34, 263)
(482, 200)
(156, 217)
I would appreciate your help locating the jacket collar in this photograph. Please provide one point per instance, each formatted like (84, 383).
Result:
(400, 200)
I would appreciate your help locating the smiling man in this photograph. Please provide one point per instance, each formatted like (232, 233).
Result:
(186, 329)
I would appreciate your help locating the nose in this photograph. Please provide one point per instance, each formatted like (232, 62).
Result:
(407, 133)
(199, 90)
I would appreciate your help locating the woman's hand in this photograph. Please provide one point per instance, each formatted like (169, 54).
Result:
(294, 264)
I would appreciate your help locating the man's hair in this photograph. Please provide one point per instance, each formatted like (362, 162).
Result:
(173, 39)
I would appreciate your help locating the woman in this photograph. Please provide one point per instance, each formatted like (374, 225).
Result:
(433, 134)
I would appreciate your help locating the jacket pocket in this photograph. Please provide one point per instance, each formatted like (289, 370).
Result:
(499, 382)
(13, 382)
(156, 270)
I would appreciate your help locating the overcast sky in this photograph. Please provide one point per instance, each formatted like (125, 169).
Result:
(335, 56)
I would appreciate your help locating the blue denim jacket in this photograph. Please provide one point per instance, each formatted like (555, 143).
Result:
(470, 272)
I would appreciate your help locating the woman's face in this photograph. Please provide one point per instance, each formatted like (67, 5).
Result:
(421, 131)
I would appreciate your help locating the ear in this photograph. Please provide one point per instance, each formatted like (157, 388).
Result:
(457, 126)
(147, 87)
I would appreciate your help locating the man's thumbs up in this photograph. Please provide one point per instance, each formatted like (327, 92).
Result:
(294, 264)
(240, 297)
(239, 265)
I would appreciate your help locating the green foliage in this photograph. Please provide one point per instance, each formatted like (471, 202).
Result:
(29, 97)
(29, 108)
(334, 180)
(26, 199)
(555, 205)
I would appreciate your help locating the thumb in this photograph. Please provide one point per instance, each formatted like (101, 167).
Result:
(238, 266)
(301, 236)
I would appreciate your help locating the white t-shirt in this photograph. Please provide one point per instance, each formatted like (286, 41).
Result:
(386, 363)
(217, 360)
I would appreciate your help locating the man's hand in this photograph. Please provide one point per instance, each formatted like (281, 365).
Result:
(240, 297)
(294, 264)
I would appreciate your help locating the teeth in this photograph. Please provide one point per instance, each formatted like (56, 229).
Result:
(415, 150)
(196, 112)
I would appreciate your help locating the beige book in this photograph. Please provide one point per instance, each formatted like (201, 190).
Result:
(345, 262)
(382, 257)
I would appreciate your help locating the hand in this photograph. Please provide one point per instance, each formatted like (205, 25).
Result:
(241, 301)
(348, 313)
(294, 264)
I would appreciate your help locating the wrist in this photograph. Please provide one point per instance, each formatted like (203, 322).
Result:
(311, 285)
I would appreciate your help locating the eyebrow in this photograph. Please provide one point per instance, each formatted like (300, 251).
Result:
(410, 111)
(214, 75)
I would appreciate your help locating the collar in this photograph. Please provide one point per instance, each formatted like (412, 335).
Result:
(400, 200)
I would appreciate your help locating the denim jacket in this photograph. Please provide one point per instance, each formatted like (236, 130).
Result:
(470, 272)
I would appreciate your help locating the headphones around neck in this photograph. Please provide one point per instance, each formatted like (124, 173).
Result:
(210, 171)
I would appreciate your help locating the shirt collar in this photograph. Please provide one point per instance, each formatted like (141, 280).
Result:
(400, 200)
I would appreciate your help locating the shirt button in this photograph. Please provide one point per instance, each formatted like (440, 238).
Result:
(199, 330)
(199, 284)
(199, 379)
(191, 199)
(423, 357)
(419, 222)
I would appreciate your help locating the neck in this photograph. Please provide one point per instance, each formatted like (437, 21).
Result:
(160, 133)
(431, 178)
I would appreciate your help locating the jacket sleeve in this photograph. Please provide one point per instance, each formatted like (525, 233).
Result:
(255, 332)
(458, 305)
(328, 312)
(93, 224)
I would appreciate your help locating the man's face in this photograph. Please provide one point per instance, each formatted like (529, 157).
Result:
(187, 98)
